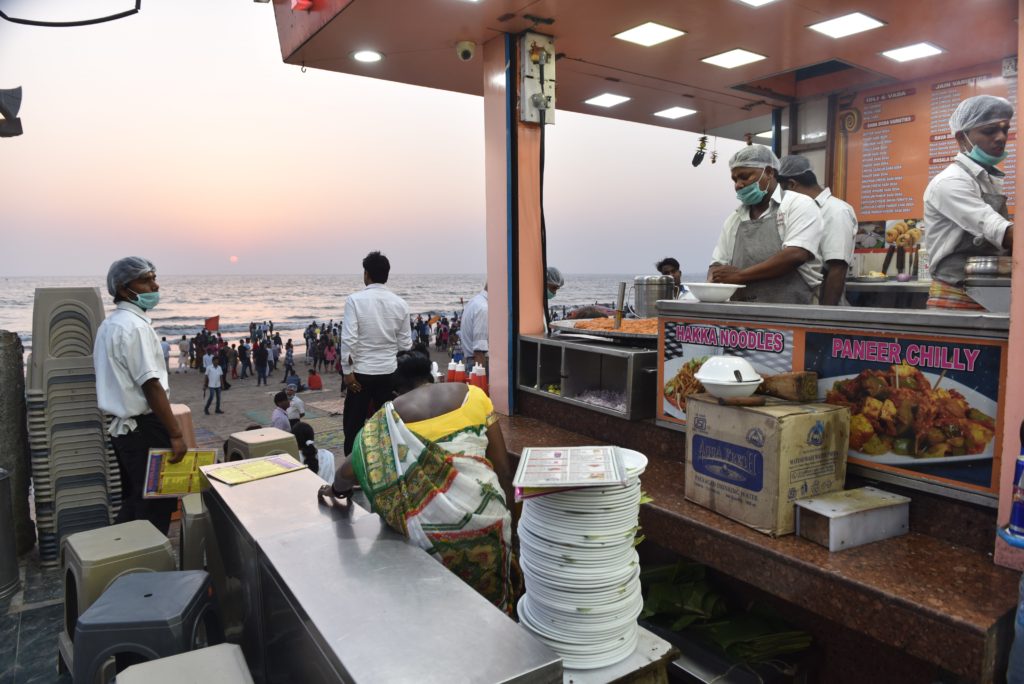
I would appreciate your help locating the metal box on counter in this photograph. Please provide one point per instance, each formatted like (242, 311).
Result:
(604, 377)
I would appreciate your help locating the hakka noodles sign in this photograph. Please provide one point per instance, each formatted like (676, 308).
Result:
(734, 338)
(921, 355)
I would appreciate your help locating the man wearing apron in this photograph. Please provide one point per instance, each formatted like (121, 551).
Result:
(771, 242)
(965, 211)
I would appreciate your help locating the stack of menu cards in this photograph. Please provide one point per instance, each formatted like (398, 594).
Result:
(543, 470)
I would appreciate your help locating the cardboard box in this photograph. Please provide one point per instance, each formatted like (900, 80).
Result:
(751, 463)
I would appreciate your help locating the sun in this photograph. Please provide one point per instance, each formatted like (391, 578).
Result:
(233, 259)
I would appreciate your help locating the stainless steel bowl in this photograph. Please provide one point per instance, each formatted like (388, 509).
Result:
(989, 265)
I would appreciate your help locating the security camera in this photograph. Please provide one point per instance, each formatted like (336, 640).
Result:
(465, 49)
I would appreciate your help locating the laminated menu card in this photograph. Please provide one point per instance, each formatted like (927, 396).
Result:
(237, 472)
(165, 479)
(542, 469)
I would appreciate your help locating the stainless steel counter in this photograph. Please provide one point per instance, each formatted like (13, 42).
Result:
(917, 286)
(970, 323)
(329, 595)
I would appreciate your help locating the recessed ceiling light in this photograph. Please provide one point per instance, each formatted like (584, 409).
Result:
(675, 112)
(769, 134)
(909, 52)
(649, 34)
(846, 25)
(756, 3)
(607, 100)
(367, 56)
(733, 58)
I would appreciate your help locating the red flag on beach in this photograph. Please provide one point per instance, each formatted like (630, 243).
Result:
(213, 323)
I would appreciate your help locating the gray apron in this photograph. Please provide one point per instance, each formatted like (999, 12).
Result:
(951, 269)
(758, 240)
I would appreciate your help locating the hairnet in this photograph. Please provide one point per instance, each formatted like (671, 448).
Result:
(793, 165)
(755, 156)
(124, 271)
(554, 277)
(978, 111)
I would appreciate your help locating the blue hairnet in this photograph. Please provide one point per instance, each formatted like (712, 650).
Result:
(554, 277)
(755, 156)
(978, 111)
(124, 271)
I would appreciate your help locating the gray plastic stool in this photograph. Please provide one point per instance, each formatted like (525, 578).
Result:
(145, 616)
(223, 664)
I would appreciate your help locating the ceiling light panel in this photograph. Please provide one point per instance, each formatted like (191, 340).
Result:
(649, 34)
(846, 25)
(367, 56)
(675, 112)
(769, 134)
(756, 3)
(607, 100)
(733, 58)
(916, 51)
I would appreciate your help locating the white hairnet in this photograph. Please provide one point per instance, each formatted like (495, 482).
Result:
(554, 277)
(978, 111)
(124, 271)
(755, 156)
(793, 165)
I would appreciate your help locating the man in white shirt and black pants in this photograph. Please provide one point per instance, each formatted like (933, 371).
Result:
(473, 331)
(375, 327)
(131, 386)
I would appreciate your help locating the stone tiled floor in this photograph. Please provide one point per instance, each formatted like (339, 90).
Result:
(31, 621)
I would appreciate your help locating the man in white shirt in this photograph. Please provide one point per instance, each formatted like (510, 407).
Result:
(375, 327)
(131, 386)
(279, 418)
(183, 355)
(165, 347)
(965, 213)
(770, 243)
(839, 225)
(296, 407)
(474, 330)
(213, 382)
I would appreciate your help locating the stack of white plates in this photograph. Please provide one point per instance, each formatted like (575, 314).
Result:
(582, 571)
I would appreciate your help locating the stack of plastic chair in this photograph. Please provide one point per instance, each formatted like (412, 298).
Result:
(91, 561)
(223, 664)
(146, 616)
(75, 477)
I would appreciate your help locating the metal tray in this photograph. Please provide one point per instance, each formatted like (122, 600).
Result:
(570, 326)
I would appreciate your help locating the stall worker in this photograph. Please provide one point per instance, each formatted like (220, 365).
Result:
(965, 211)
(670, 267)
(839, 225)
(770, 242)
(553, 282)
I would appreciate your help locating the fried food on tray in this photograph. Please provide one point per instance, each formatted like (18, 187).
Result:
(683, 383)
(898, 411)
(635, 326)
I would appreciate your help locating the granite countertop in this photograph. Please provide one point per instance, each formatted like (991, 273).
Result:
(943, 603)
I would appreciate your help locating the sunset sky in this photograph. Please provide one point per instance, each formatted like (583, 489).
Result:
(179, 134)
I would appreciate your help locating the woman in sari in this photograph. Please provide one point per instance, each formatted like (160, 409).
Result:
(433, 464)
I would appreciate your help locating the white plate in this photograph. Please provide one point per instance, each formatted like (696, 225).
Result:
(974, 399)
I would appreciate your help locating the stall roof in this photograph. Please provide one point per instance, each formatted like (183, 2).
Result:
(418, 40)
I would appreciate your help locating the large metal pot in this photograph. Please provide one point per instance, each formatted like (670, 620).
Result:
(647, 290)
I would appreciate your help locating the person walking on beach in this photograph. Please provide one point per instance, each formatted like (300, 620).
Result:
(244, 355)
(261, 357)
(213, 382)
(375, 327)
(165, 347)
(182, 355)
(232, 355)
(289, 360)
(131, 386)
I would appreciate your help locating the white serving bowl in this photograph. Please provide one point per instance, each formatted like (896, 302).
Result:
(722, 369)
(730, 390)
(712, 292)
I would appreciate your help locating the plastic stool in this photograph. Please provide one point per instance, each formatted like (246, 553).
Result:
(195, 525)
(145, 616)
(91, 561)
(223, 664)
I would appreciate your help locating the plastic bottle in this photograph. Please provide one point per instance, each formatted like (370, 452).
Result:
(451, 372)
(481, 380)
(460, 372)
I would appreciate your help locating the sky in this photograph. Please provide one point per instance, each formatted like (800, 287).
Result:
(179, 134)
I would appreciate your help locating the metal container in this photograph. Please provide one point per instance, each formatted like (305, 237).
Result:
(989, 265)
(9, 578)
(647, 290)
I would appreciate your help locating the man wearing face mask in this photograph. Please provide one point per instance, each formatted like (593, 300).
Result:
(964, 206)
(771, 242)
(131, 386)
(553, 281)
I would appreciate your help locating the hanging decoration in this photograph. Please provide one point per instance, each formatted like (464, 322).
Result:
(701, 147)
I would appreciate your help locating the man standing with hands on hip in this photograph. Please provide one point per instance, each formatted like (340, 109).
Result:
(375, 327)
(131, 386)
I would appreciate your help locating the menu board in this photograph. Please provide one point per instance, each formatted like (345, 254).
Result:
(925, 407)
(897, 138)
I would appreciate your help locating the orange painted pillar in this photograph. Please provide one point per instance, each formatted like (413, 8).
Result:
(1013, 413)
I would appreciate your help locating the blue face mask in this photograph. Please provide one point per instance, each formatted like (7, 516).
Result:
(982, 157)
(752, 194)
(549, 293)
(146, 300)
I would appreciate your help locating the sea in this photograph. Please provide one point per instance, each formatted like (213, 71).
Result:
(291, 301)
